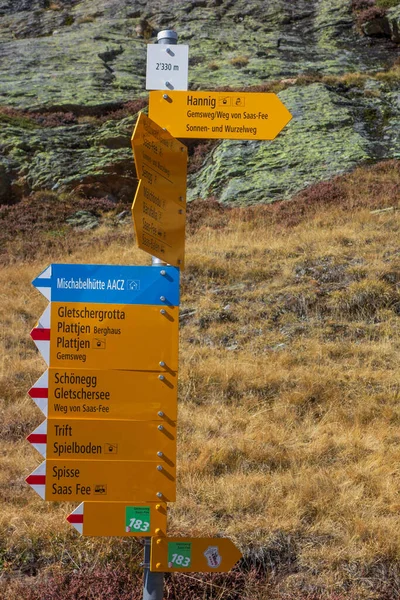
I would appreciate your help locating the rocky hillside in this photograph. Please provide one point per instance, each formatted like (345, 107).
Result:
(73, 79)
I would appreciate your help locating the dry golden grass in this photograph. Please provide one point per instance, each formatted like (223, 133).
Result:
(289, 396)
(289, 407)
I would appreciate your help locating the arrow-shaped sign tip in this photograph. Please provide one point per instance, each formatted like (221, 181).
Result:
(38, 438)
(37, 480)
(43, 283)
(40, 392)
(76, 518)
(41, 336)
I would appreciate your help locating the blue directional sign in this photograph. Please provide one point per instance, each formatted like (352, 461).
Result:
(109, 284)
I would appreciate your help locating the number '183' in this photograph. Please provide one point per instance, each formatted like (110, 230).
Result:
(181, 561)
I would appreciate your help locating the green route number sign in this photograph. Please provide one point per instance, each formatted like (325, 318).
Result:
(179, 554)
(137, 518)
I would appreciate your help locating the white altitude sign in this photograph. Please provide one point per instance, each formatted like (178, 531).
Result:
(167, 67)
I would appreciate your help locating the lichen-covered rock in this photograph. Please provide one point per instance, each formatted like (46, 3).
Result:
(330, 133)
(377, 27)
(5, 185)
(381, 22)
(87, 57)
(97, 159)
(80, 53)
(393, 18)
(83, 219)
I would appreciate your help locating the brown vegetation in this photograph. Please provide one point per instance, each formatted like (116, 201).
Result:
(374, 12)
(368, 10)
(362, 4)
(239, 61)
(56, 118)
(39, 221)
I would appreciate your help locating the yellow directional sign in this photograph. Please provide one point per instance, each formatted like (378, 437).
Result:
(193, 555)
(122, 519)
(160, 203)
(109, 394)
(106, 336)
(221, 115)
(111, 440)
(109, 481)
(156, 151)
(159, 224)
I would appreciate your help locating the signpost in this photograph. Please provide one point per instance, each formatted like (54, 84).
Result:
(166, 157)
(110, 338)
(105, 480)
(220, 115)
(106, 440)
(106, 394)
(109, 284)
(104, 336)
(159, 223)
(187, 555)
(159, 207)
(120, 519)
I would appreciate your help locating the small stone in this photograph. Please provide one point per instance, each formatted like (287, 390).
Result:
(377, 28)
(83, 219)
(122, 216)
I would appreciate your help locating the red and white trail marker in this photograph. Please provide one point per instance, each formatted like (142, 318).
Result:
(41, 335)
(37, 480)
(76, 518)
(38, 438)
(39, 393)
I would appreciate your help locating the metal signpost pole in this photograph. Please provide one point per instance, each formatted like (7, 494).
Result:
(168, 36)
(153, 583)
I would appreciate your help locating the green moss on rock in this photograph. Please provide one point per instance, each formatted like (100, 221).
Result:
(63, 59)
(90, 58)
(53, 158)
(326, 137)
